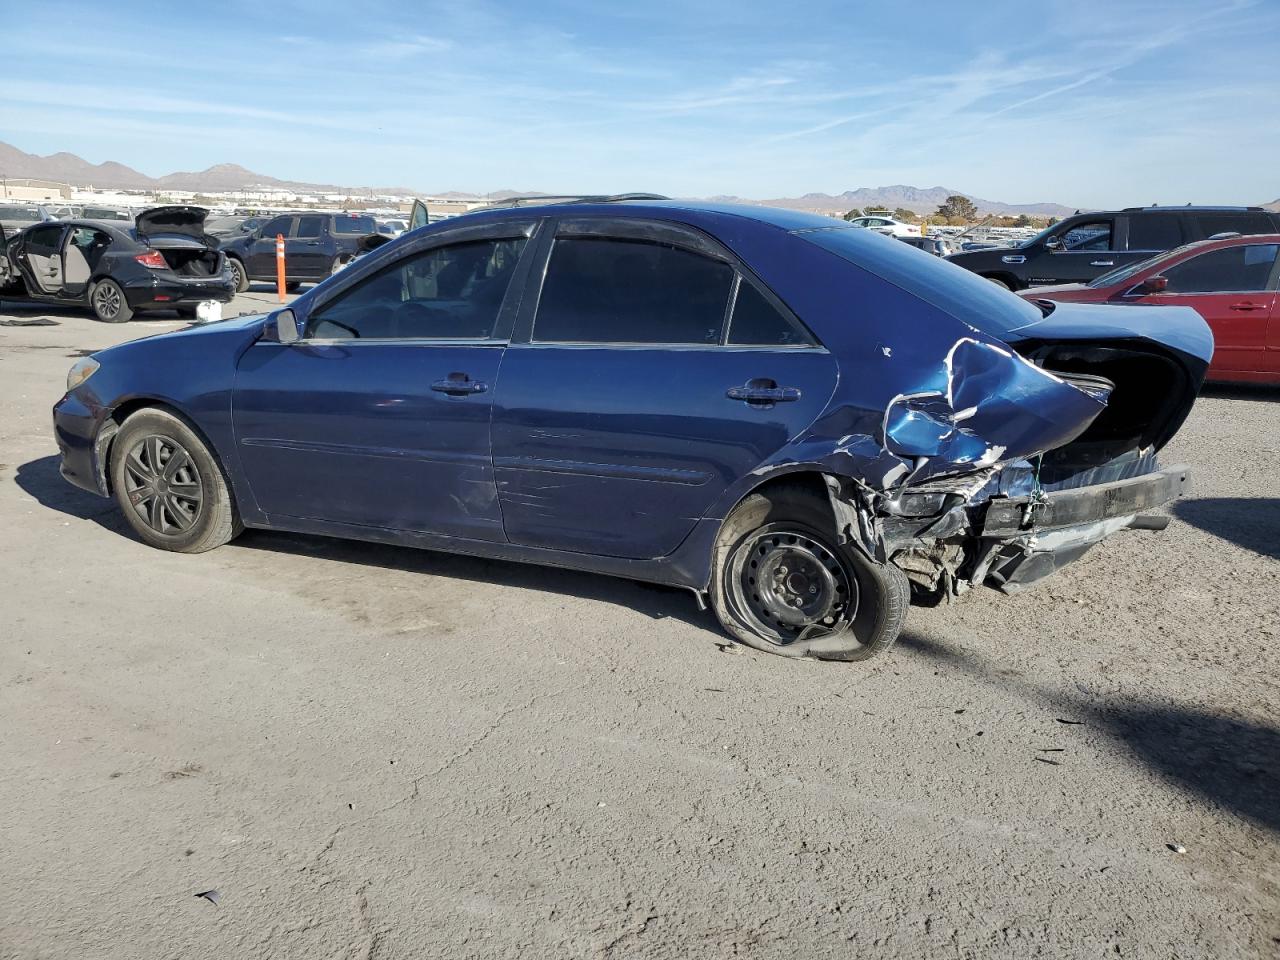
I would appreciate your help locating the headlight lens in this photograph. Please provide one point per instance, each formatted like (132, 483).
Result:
(80, 371)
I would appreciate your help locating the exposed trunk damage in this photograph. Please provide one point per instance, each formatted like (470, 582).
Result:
(1015, 460)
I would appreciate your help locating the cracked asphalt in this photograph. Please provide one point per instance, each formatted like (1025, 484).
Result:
(374, 752)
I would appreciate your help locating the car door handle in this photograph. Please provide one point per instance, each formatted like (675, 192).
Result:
(763, 392)
(1246, 305)
(459, 385)
(1102, 263)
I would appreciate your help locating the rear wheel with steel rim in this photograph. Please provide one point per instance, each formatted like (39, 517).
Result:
(788, 585)
(782, 582)
(109, 303)
(168, 485)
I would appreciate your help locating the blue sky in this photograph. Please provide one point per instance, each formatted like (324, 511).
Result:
(1088, 104)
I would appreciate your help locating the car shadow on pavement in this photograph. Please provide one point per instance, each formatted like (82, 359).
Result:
(1249, 522)
(653, 600)
(1229, 762)
(41, 480)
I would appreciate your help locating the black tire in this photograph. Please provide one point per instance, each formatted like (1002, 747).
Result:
(108, 302)
(862, 603)
(293, 286)
(239, 274)
(189, 509)
(1001, 283)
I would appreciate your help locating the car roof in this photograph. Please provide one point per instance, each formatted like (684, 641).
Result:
(1191, 209)
(687, 211)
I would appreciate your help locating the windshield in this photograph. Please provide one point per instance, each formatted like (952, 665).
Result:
(23, 214)
(1038, 238)
(104, 213)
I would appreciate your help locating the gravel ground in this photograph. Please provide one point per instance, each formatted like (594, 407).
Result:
(377, 752)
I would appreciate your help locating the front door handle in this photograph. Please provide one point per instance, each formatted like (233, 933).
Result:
(1246, 305)
(459, 385)
(1102, 263)
(763, 392)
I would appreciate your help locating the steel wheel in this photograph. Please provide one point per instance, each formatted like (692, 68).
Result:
(163, 485)
(785, 584)
(107, 301)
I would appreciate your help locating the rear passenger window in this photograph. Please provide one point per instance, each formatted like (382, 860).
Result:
(449, 293)
(627, 291)
(1212, 224)
(757, 322)
(1156, 231)
(309, 228)
(1233, 270)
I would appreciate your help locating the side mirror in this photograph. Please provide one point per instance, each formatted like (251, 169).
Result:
(1054, 245)
(287, 327)
(1154, 285)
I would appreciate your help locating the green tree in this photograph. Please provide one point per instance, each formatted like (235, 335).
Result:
(878, 212)
(1022, 221)
(957, 207)
(905, 215)
(853, 214)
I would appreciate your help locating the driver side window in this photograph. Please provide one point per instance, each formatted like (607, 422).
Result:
(448, 293)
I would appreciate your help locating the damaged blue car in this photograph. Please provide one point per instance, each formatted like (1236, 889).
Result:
(805, 424)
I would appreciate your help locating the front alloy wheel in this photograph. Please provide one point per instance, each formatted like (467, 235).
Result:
(168, 484)
(163, 485)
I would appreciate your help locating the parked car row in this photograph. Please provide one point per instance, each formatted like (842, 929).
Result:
(1087, 245)
(1232, 283)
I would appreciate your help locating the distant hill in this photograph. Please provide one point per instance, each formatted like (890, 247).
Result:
(68, 168)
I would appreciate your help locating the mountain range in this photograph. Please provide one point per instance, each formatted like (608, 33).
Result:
(69, 168)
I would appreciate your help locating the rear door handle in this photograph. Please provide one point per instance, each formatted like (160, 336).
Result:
(1102, 263)
(459, 385)
(1246, 305)
(764, 392)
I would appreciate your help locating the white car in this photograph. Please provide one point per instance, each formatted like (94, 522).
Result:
(888, 226)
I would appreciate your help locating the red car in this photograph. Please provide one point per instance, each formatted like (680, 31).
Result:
(1230, 282)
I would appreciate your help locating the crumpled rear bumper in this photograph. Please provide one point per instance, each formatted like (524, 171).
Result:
(1028, 538)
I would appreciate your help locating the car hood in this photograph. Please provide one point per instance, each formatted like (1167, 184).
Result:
(180, 221)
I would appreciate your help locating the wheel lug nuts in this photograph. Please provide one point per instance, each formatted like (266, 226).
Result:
(813, 589)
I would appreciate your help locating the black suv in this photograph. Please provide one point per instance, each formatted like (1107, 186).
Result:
(315, 246)
(1087, 245)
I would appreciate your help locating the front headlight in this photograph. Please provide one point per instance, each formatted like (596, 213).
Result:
(80, 371)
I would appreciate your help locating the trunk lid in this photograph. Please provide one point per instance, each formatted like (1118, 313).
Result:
(1155, 356)
(172, 221)
(1179, 331)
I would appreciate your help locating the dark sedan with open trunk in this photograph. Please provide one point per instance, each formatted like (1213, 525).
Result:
(165, 261)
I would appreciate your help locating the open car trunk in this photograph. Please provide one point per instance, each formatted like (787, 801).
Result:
(1148, 362)
(191, 262)
(1056, 453)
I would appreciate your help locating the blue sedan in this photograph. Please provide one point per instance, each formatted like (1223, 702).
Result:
(806, 425)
